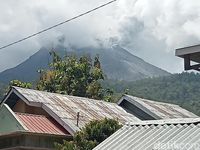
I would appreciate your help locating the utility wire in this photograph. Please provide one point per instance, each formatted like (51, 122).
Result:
(49, 28)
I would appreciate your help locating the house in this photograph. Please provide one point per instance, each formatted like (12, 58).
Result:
(31, 119)
(181, 133)
(151, 110)
(19, 131)
(171, 134)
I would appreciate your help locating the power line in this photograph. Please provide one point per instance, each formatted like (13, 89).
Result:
(49, 28)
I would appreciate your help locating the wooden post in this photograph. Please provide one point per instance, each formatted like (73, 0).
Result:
(78, 114)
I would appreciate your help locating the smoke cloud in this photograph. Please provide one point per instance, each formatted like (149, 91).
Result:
(150, 29)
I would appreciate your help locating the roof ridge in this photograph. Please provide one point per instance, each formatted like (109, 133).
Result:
(27, 114)
(150, 100)
(166, 121)
(84, 98)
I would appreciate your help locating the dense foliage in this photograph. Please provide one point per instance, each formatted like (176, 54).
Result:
(74, 76)
(20, 84)
(91, 135)
(182, 89)
(70, 75)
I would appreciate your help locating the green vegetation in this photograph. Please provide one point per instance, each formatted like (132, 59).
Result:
(4, 88)
(20, 84)
(82, 76)
(74, 76)
(182, 89)
(91, 135)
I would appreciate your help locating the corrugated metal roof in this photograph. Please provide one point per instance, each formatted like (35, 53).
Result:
(166, 121)
(167, 135)
(64, 108)
(41, 124)
(159, 110)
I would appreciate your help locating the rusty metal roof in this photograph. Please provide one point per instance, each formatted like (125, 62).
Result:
(41, 124)
(64, 108)
(172, 134)
(158, 110)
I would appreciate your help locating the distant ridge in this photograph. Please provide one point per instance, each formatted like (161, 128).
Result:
(116, 61)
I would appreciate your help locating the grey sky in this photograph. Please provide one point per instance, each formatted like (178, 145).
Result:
(150, 29)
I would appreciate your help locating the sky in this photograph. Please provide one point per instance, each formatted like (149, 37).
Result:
(149, 29)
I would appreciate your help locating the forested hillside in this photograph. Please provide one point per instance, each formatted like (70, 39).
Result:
(182, 89)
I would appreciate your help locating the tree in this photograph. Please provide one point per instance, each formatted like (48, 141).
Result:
(20, 84)
(73, 76)
(91, 135)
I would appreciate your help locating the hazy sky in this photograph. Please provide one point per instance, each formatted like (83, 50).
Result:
(150, 29)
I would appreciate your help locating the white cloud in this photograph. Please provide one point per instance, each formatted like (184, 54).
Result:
(151, 29)
(168, 24)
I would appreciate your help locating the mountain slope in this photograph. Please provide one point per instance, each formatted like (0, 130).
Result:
(182, 89)
(117, 63)
(27, 71)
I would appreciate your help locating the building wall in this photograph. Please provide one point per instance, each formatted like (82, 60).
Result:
(29, 141)
(8, 122)
(22, 107)
(129, 107)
